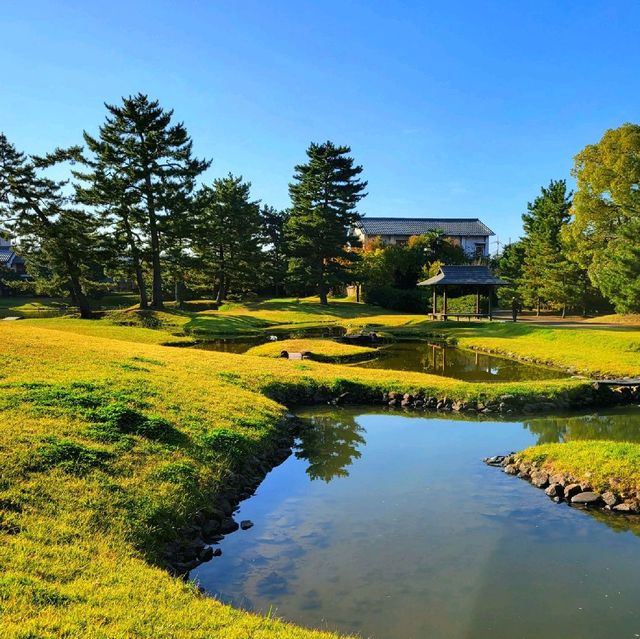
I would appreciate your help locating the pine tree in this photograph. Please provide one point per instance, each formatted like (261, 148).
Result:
(324, 196)
(546, 216)
(228, 235)
(57, 235)
(274, 257)
(142, 170)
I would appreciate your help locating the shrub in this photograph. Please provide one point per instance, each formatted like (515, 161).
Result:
(397, 299)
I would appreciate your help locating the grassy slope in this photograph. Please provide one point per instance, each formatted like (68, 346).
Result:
(85, 497)
(594, 351)
(633, 320)
(320, 349)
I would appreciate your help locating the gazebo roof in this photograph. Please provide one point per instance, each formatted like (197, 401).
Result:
(464, 276)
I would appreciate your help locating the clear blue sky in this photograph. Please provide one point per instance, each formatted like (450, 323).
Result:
(453, 109)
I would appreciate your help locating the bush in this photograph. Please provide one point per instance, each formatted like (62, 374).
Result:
(397, 299)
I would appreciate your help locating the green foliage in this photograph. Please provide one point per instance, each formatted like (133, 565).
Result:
(607, 214)
(324, 195)
(407, 300)
(141, 174)
(228, 236)
(57, 238)
(225, 442)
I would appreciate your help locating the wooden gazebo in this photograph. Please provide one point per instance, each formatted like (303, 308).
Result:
(477, 278)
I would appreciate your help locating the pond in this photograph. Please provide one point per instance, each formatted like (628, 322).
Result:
(392, 527)
(449, 361)
(423, 357)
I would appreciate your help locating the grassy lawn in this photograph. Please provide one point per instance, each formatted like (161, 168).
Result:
(108, 444)
(110, 440)
(322, 350)
(592, 351)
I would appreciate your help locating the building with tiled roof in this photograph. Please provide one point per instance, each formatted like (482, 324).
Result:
(469, 233)
(9, 259)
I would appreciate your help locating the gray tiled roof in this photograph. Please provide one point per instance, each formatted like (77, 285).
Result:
(464, 275)
(6, 253)
(419, 225)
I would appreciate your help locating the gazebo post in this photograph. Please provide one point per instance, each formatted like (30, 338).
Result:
(490, 303)
(435, 302)
(444, 302)
(477, 302)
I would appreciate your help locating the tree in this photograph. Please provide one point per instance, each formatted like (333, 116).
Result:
(606, 212)
(274, 257)
(57, 236)
(228, 234)
(324, 196)
(142, 171)
(546, 216)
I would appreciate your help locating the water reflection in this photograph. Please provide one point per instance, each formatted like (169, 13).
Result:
(329, 445)
(423, 540)
(621, 425)
(448, 361)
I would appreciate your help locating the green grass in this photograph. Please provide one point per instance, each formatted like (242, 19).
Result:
(108, 444)
(599, 463)
(110, 441)
(321, 350)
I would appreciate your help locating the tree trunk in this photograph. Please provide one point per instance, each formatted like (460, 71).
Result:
(221, 293)
(137, 266)
(78, 296)
(179, 293)
(156, 286)
(322, 292)
(538, 308)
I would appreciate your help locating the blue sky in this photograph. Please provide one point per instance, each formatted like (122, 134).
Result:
(453, 109)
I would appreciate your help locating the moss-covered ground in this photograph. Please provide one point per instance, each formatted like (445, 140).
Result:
(322, 350)
(110, 441)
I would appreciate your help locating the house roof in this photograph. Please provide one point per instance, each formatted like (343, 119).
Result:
(6, 255)
(420, 225)
(464, 275)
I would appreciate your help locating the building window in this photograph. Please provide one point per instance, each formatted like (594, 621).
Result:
(479, 249)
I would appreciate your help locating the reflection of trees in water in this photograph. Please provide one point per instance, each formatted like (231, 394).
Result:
(620, 427)
(330, 444)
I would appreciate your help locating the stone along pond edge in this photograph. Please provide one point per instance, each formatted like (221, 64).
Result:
(564, 487)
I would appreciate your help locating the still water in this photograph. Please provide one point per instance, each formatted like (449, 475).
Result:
(449, 361)
(392, 527)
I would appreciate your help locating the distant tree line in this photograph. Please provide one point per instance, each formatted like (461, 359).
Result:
(581, 251)
(133, 208)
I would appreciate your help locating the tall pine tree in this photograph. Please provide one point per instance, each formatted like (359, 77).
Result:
(58, 235)
(324, 196)
(228, 235)
(142, 168)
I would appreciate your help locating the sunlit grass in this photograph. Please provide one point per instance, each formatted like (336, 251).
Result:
(319, 349)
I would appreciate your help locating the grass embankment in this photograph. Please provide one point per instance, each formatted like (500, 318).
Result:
(321, 350)
(109, 445)
(631, 320)
(597, 352)
(602, 464)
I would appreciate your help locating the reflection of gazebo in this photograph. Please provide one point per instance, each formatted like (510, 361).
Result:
(477, 278)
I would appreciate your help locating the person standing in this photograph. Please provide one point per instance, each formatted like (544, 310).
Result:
(514, 309)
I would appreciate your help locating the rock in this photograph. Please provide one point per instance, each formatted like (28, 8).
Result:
(245, 524)
(206, 554)
(558, 478)
(496, 460)
(628, 507)
(587, 498)
(225, 507)
(554, 490)
(217, 552)
(610, 499)
(228, 525)
(539, 478)
(511, 469)
(570, 490)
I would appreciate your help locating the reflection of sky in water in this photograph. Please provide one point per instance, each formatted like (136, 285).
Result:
(422, 540)
(456, 362)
